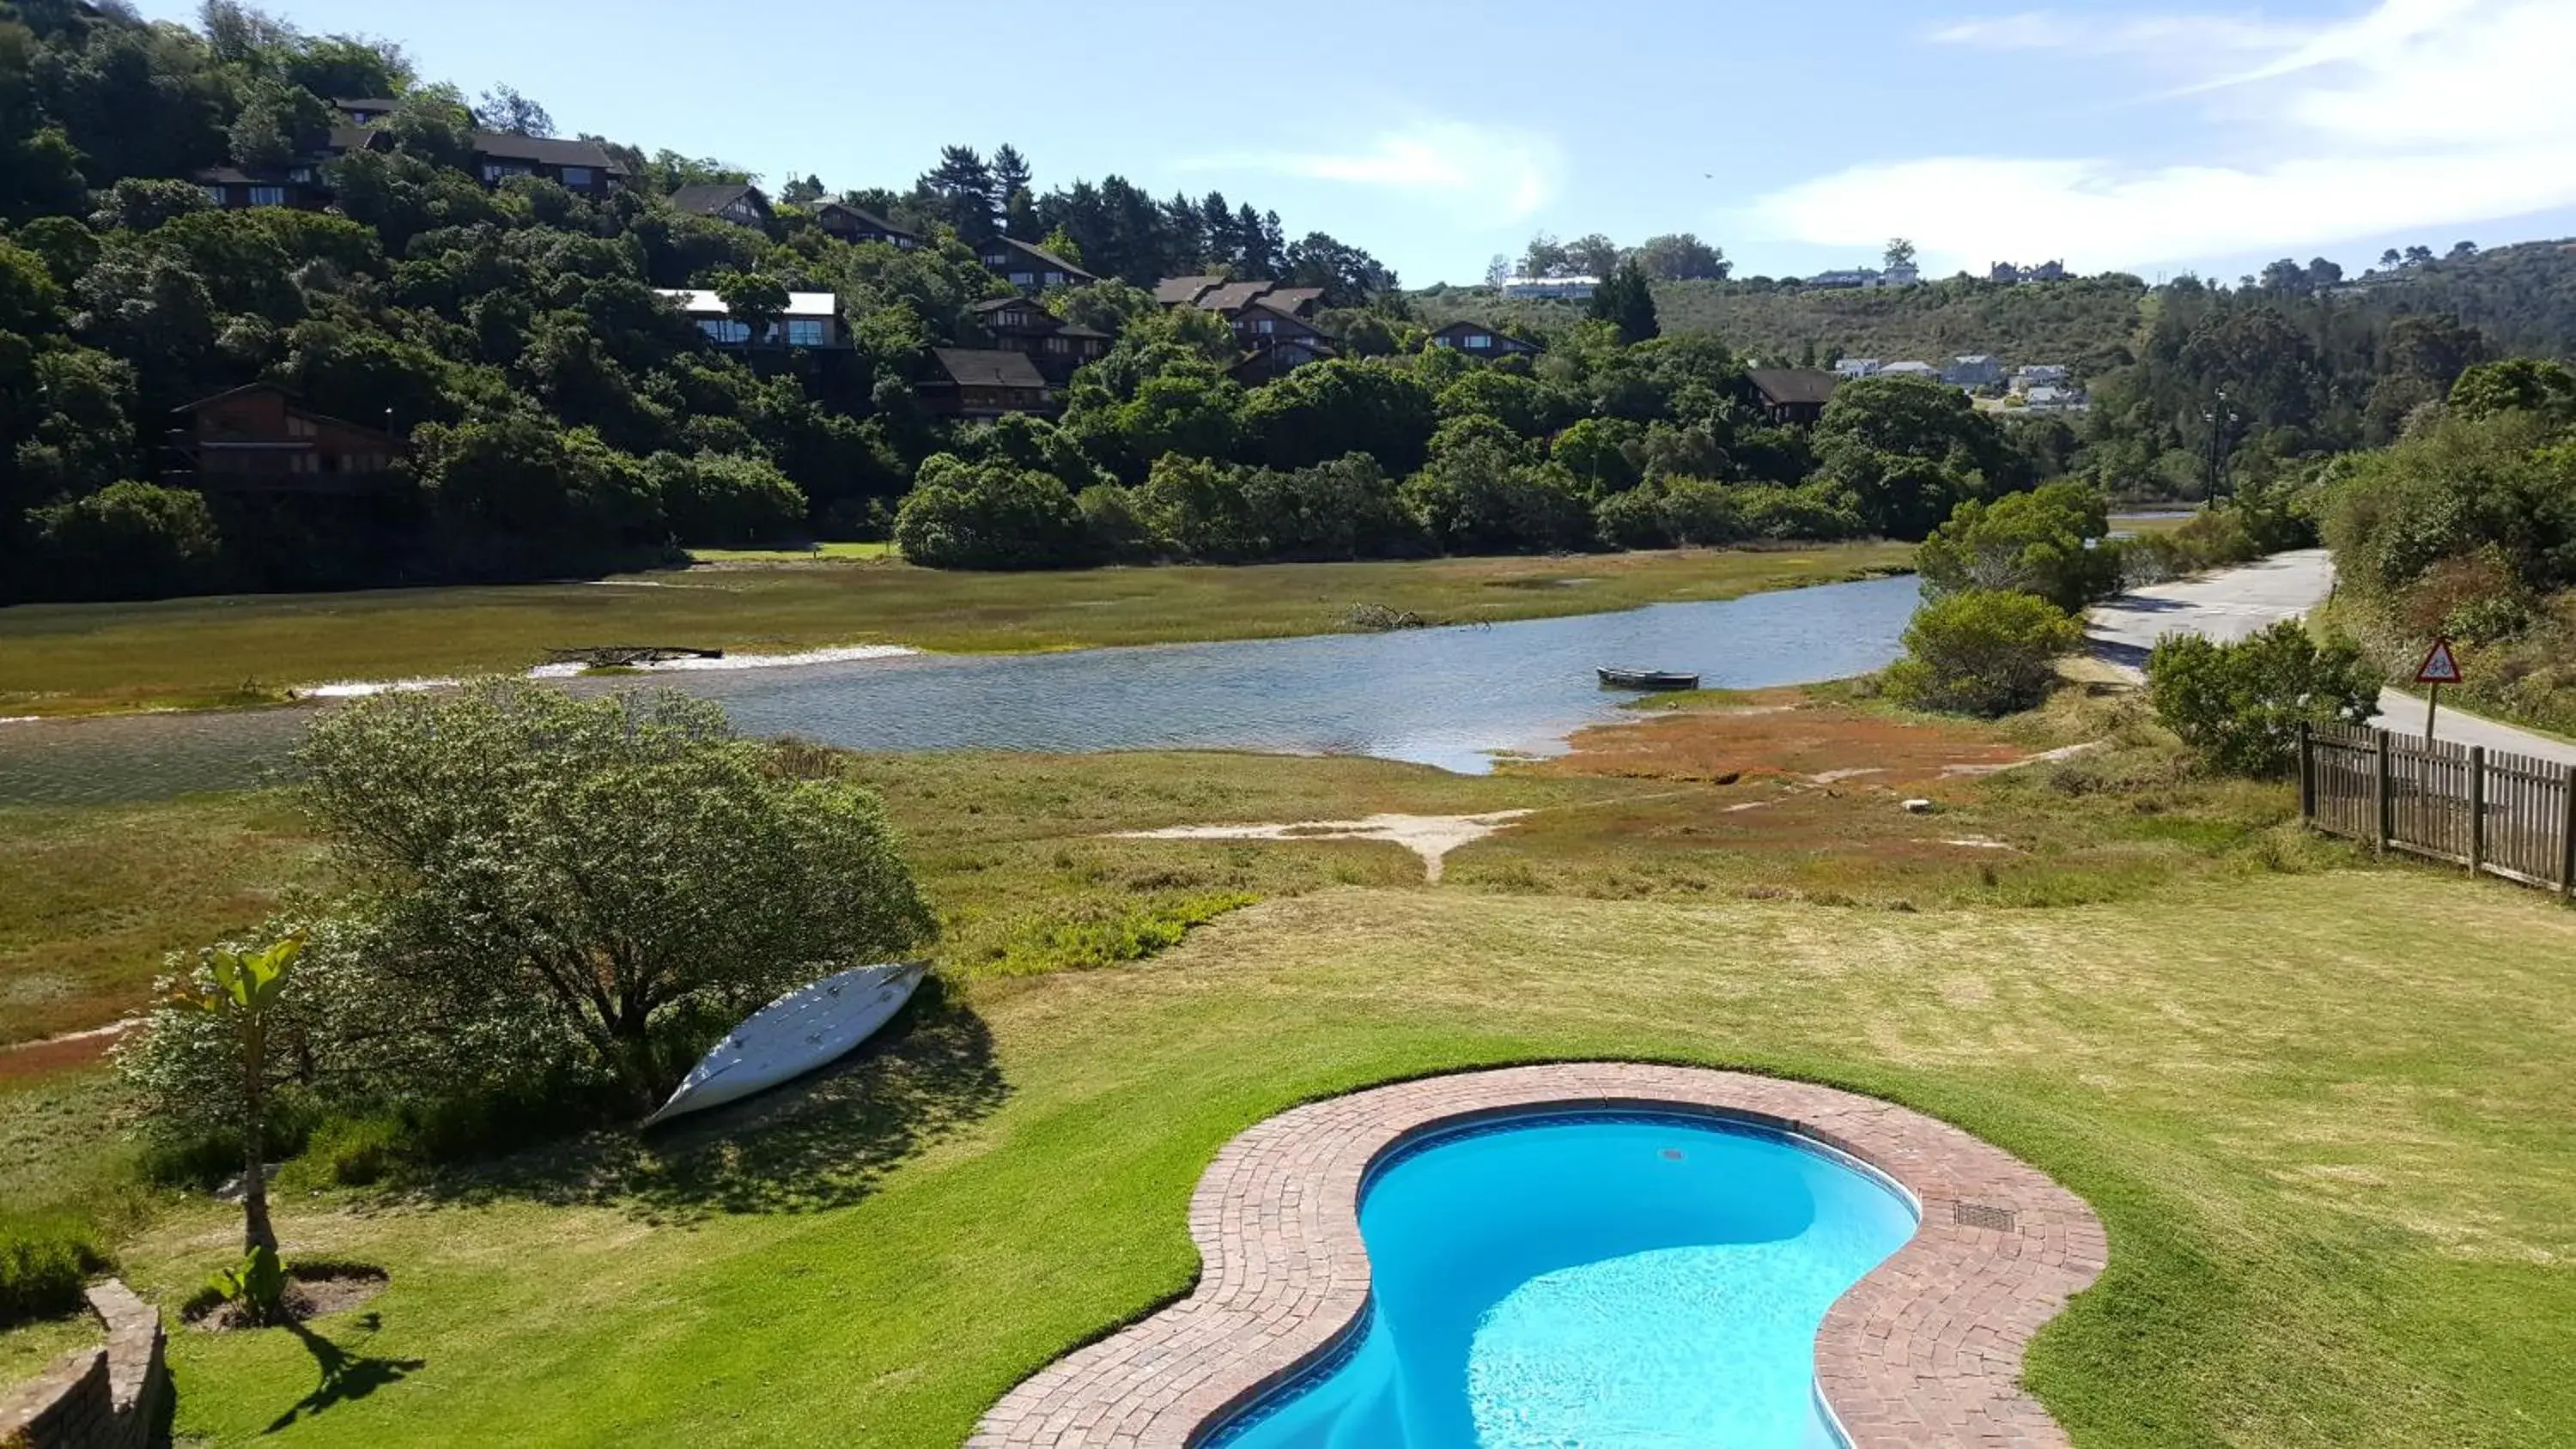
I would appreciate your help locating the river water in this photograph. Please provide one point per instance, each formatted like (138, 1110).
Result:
(1451, 697)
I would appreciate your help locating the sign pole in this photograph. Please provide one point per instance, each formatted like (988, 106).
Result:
(2440, 667)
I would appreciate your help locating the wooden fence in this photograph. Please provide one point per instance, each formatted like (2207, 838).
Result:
(2507, 815)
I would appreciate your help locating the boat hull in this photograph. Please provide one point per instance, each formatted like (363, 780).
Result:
(810, 1027)
(1645, 679)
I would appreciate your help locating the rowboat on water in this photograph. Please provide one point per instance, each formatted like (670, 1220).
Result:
(1645, 679)
(811, 1026)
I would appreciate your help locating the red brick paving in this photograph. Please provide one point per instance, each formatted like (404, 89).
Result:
(1926, 1350)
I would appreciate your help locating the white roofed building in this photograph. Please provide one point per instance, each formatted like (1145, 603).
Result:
(812, 319)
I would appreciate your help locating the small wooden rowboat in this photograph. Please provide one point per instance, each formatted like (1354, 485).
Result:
(1645, 679)
(809, 1027)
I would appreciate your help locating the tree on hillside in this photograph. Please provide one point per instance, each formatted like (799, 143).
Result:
(1592, 256)
(1544, 257)
(961, 189)
(1682, 257)
(1626, 300)
(1011, 193)
(1899, 253)
(504, 109)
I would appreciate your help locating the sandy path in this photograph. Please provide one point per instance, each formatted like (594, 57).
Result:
(1430, 836)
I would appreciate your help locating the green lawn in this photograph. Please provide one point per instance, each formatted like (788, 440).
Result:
(2321, 1107)
(2326, 1127)
(88, 658)
(819, 553)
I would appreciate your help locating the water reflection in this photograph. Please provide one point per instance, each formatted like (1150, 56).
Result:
(1447, 697)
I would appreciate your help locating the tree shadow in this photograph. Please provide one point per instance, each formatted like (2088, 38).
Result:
(346, 1376)
(822, 1141)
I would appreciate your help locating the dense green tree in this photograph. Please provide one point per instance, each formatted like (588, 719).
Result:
(1682, 257)
(2044, 542)
(128, 540)
(1982, 651)
(1626, 300)
(1338, 407)
(994, 516)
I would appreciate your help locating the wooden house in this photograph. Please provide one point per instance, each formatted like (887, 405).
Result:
(850, 224)
(1031, 269)
(260, 437)
(969, 382)
(1478, 340)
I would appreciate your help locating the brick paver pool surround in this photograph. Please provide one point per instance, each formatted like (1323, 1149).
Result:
(1926, 1350)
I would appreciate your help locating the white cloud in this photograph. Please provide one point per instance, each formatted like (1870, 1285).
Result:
(1497, 174)
(2147, 35)
(2419, 113)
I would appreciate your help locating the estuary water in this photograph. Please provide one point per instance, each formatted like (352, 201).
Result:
(1452, 697)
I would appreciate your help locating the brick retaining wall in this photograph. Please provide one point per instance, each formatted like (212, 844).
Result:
(115, 1396)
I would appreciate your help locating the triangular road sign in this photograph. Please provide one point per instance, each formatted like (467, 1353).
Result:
(2439, 666)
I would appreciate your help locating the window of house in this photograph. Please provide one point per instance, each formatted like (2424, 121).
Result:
(725, 329)
(577, 176)
(1022, 279)
(215, 194)
(1478, 341)
(301, 175)
(497, 170)
(268, 196)
(298, 427)
(805, 332)
(1265, 326)
(1056, 279)
(1059, 344)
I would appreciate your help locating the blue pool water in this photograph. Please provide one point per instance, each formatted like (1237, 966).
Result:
(1593, 1282)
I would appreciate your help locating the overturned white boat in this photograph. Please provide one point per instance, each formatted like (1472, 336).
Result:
(811, 1026)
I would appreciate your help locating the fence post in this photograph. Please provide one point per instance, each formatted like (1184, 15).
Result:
(2567, 838)
(2477, 809)
(2379, 795)
(2307, 777)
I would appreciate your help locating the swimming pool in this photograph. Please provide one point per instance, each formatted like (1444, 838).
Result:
(1591, 1280)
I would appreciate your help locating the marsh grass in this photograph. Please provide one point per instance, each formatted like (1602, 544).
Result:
(189, 653)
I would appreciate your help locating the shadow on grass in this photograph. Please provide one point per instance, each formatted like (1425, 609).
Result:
(346, 1376)
(822, 1141)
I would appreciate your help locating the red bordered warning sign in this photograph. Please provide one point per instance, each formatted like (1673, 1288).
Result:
(2439, 666)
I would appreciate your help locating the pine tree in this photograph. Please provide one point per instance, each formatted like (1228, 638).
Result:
(1626, 300)
(962, 187)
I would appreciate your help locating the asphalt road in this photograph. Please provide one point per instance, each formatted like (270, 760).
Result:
(2231, 603)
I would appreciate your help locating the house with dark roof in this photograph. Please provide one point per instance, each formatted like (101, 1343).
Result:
(299, 186)
(848, 223)
(1278, 357)
(1185, 291)
(261, 438)
(1478, 340)
(968, 382)
(1791, 394)
(1295, 301)
(1031, 269)
(733, 201)
(365, 110)
(580, 166)
(1019, 324)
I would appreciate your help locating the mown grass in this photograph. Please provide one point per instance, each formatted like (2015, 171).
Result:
(818, 553)
(60, 659)
(2324, 1125)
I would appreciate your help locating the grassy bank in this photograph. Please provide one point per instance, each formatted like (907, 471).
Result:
(193, 653)
(2315, 1118)
(2320, 1116)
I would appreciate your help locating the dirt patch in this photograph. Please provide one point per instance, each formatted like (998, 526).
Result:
(1813, 744)
(313, 1290)
(1431, 837)
(32, 1059)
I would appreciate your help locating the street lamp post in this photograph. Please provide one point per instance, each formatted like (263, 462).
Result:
(2220, 420)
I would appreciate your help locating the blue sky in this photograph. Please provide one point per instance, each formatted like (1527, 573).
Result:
(1437, 134)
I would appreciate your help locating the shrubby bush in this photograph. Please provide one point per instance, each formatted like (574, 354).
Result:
(989, 516)
(1982, 651)
(1481, 499)
(127, 541)
(725, 500)
(2239, 705)
(2047, 542)
(45, 1260)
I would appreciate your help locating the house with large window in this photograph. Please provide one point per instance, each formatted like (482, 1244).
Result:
(365, 110)
(1031, 269)
(970, 382)
(579, 166)
(736, 202)
(262, 438)
(850, 224)
(1019, 324)
(1478, 340)
(812, 319)
(1974, 370)
(232, 188)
